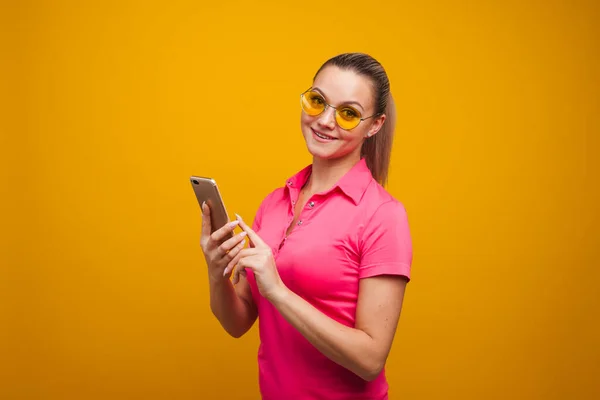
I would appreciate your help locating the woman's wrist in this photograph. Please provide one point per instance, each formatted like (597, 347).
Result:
(279, 296)
(216, 281)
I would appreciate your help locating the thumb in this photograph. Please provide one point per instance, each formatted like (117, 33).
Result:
(206, 225)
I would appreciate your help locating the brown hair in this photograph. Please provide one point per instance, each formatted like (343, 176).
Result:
(376, 149)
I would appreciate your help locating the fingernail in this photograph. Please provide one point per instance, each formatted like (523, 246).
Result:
(243, 233)
(203, 203)
(225, 271)
(233, 224)
(238, 217)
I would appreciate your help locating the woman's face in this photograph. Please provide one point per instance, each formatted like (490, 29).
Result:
(339, 87)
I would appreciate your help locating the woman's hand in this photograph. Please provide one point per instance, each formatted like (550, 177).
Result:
(260, 260)
(220, 247)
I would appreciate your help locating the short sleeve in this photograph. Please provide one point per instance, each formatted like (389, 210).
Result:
(386, 245)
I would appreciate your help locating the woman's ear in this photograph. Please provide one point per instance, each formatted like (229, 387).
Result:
(377, 124)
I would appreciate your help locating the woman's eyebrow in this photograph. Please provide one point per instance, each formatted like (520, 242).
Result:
(345, 102)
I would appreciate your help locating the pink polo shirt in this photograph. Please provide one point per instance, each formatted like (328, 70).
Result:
(354, 230)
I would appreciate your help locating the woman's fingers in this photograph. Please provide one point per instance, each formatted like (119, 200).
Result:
(220, 234)
(224, 250)
(253, 236)
(243, 253)
(232, 253)
(240, 269)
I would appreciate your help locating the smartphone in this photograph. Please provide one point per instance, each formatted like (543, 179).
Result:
(206, 190)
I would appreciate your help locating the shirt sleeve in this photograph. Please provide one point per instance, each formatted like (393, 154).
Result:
(386, 245)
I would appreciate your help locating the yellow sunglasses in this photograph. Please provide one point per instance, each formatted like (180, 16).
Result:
(347, 117)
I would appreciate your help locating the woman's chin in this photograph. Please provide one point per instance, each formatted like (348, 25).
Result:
(317, 151)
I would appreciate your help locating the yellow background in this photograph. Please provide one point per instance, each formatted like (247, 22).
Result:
(108, 107)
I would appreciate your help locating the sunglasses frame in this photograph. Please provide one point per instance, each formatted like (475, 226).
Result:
(335, 108)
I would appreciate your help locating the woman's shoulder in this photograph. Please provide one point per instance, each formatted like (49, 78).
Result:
(384, 214)
(376, 198)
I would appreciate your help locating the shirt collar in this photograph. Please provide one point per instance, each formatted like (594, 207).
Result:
(353, 184)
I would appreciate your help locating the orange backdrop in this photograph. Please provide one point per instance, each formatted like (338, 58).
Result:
(109, 107)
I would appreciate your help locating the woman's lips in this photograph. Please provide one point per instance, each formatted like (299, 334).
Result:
(322, 137)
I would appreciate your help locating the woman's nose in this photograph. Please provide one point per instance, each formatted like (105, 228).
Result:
(327, 118)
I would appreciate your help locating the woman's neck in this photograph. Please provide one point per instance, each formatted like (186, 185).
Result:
(326, 173)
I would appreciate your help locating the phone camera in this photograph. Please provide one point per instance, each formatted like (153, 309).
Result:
(195, 181)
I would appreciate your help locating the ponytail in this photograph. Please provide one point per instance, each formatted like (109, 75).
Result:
(377, 149)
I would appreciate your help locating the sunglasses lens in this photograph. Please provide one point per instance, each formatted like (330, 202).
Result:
(347, 117)
(313, 103)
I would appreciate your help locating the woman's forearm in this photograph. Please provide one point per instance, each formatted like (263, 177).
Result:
(351, 348)
(235, 315)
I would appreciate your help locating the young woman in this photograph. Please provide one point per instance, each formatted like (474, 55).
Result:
(330, 252)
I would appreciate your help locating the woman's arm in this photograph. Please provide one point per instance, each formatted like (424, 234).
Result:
(233, 306)
(363, 349)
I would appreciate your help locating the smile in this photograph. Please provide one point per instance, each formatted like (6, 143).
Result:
(323, 136)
